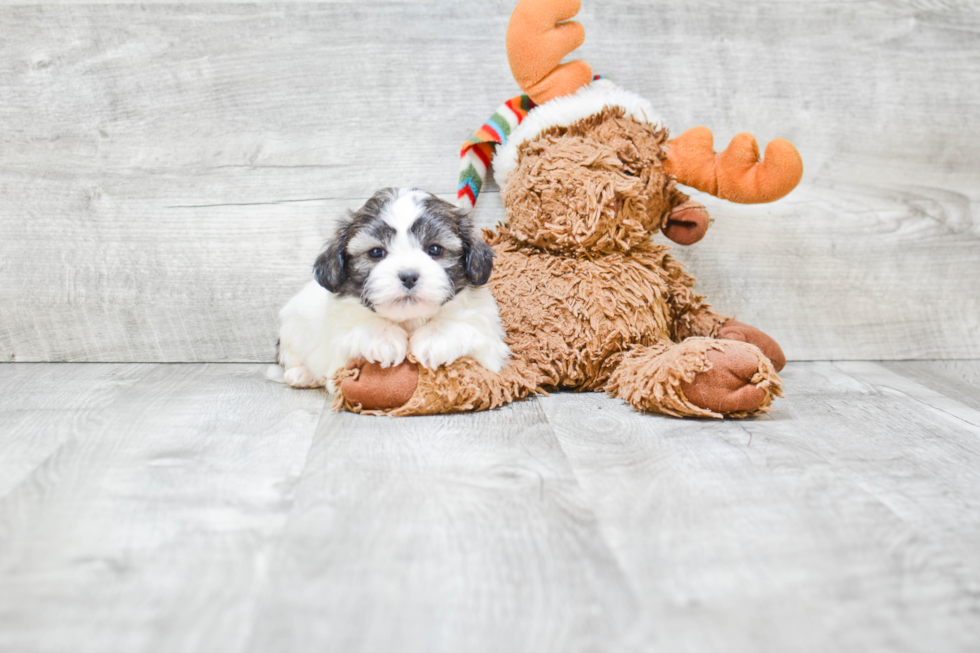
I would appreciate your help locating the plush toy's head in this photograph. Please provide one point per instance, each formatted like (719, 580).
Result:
(585, 166)
(582, 176)
(596, 185)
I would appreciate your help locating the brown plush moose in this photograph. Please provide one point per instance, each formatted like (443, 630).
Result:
(588, 301)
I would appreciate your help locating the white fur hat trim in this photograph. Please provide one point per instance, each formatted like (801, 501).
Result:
(567, 110)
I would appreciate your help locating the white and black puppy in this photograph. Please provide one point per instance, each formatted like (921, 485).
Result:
(404, 273)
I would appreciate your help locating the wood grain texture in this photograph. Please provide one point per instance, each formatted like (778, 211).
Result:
(42, 408)
(167, 171)
(153, 531)
(204, 508)
(845, 520)
(958, 379)
(460, 533)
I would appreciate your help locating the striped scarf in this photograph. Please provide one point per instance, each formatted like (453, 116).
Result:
(477, 151)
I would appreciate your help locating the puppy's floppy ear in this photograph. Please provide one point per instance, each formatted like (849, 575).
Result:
(479, 263)
(478, 256)
(330, 266)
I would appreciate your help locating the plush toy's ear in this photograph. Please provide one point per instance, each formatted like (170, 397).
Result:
(329, 270)
(687, 223)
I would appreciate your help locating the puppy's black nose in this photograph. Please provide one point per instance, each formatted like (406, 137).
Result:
(408, 277)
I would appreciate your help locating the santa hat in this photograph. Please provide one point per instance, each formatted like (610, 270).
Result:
(519, 121)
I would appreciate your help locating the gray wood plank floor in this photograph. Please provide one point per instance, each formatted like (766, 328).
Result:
(203, 508)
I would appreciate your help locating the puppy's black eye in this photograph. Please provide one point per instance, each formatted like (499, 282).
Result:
(377, 253)
(434, 250)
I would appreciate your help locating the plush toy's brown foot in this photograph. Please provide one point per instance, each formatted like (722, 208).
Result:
(410, 389)
(373, 387)
(733, 330)
(699, 377)
(727, 385)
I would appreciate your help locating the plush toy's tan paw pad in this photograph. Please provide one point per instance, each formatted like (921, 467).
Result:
(733, 330)
(378, 388)
(727, 386)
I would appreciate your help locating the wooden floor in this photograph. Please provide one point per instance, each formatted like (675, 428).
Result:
(200, 507)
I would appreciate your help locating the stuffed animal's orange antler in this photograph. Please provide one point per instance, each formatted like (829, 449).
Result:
(737, 174)
(538, 36)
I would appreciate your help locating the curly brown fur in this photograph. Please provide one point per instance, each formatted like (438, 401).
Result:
(587, 300)
(574, 317)
(597, 186)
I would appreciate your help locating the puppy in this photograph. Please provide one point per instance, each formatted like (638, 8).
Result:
(404, 273)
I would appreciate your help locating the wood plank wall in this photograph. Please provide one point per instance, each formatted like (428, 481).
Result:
(169, 172)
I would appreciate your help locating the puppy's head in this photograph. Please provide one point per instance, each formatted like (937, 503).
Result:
(404, 253)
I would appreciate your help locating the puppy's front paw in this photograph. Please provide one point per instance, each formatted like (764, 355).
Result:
(432, 347)
(387, 346)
